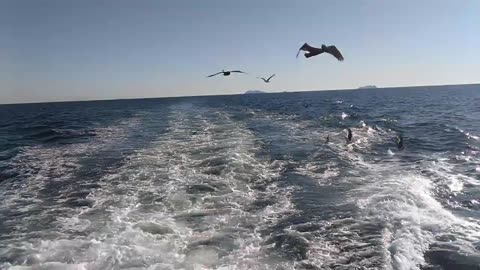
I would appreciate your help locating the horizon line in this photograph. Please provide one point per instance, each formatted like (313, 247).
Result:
(237, 94)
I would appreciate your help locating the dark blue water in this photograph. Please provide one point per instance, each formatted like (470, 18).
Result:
(244, 182)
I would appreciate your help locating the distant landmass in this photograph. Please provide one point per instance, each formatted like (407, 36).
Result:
(255, 92)
(367, 87)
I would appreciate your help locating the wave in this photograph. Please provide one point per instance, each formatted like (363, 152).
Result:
(49, 135)
(161, 208)
(195, 185)
(398, 216)
(41, 190)
(468, 134)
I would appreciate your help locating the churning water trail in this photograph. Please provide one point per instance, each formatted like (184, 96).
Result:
(197, 196)
(243, 182)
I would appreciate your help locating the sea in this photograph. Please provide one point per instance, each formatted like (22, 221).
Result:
(244, 182)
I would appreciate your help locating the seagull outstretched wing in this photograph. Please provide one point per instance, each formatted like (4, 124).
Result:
(335, 52)
(238, 71)
(305, 47)
(270, 77)
(214, 74)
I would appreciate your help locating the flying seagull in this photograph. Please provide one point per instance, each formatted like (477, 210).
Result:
(312, 51)
(266, 80)
(226, 73)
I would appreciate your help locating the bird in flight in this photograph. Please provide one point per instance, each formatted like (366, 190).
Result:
(266, 80)
(227, 73)
(312, 51)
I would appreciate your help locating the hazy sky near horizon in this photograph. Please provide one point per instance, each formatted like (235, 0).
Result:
(54, 50)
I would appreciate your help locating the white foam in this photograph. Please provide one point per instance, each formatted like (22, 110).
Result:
(413, 216)
(448, 176)
(472, 136)
(468, 134)
(456, 185)
(51, 266)
(408, 209)
(398, 197)
(401, 198)
(145, 215)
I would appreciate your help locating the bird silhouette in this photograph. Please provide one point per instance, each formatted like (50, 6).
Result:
(312, 51)
(400, 142)
(227, 73)
(266, 80)
(349, 135)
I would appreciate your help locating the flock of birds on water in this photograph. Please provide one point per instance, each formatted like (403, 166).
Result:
(311, 51)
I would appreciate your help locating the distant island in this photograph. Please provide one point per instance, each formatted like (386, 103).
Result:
(255, 92)
(368, 87)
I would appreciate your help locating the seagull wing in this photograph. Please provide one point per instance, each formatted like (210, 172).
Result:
(238, 71)
(305, 47)
(335, 52)
(270, 77)
(298, 52)
(214, 74)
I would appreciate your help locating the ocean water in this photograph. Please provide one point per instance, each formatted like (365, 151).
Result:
(244, 182)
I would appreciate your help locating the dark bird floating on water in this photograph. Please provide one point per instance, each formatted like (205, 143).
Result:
(226, 73)
(349, 135)
(400, 142)
(312, 51)
(266, 80)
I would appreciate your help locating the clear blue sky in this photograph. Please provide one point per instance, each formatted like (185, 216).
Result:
(75, 50)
